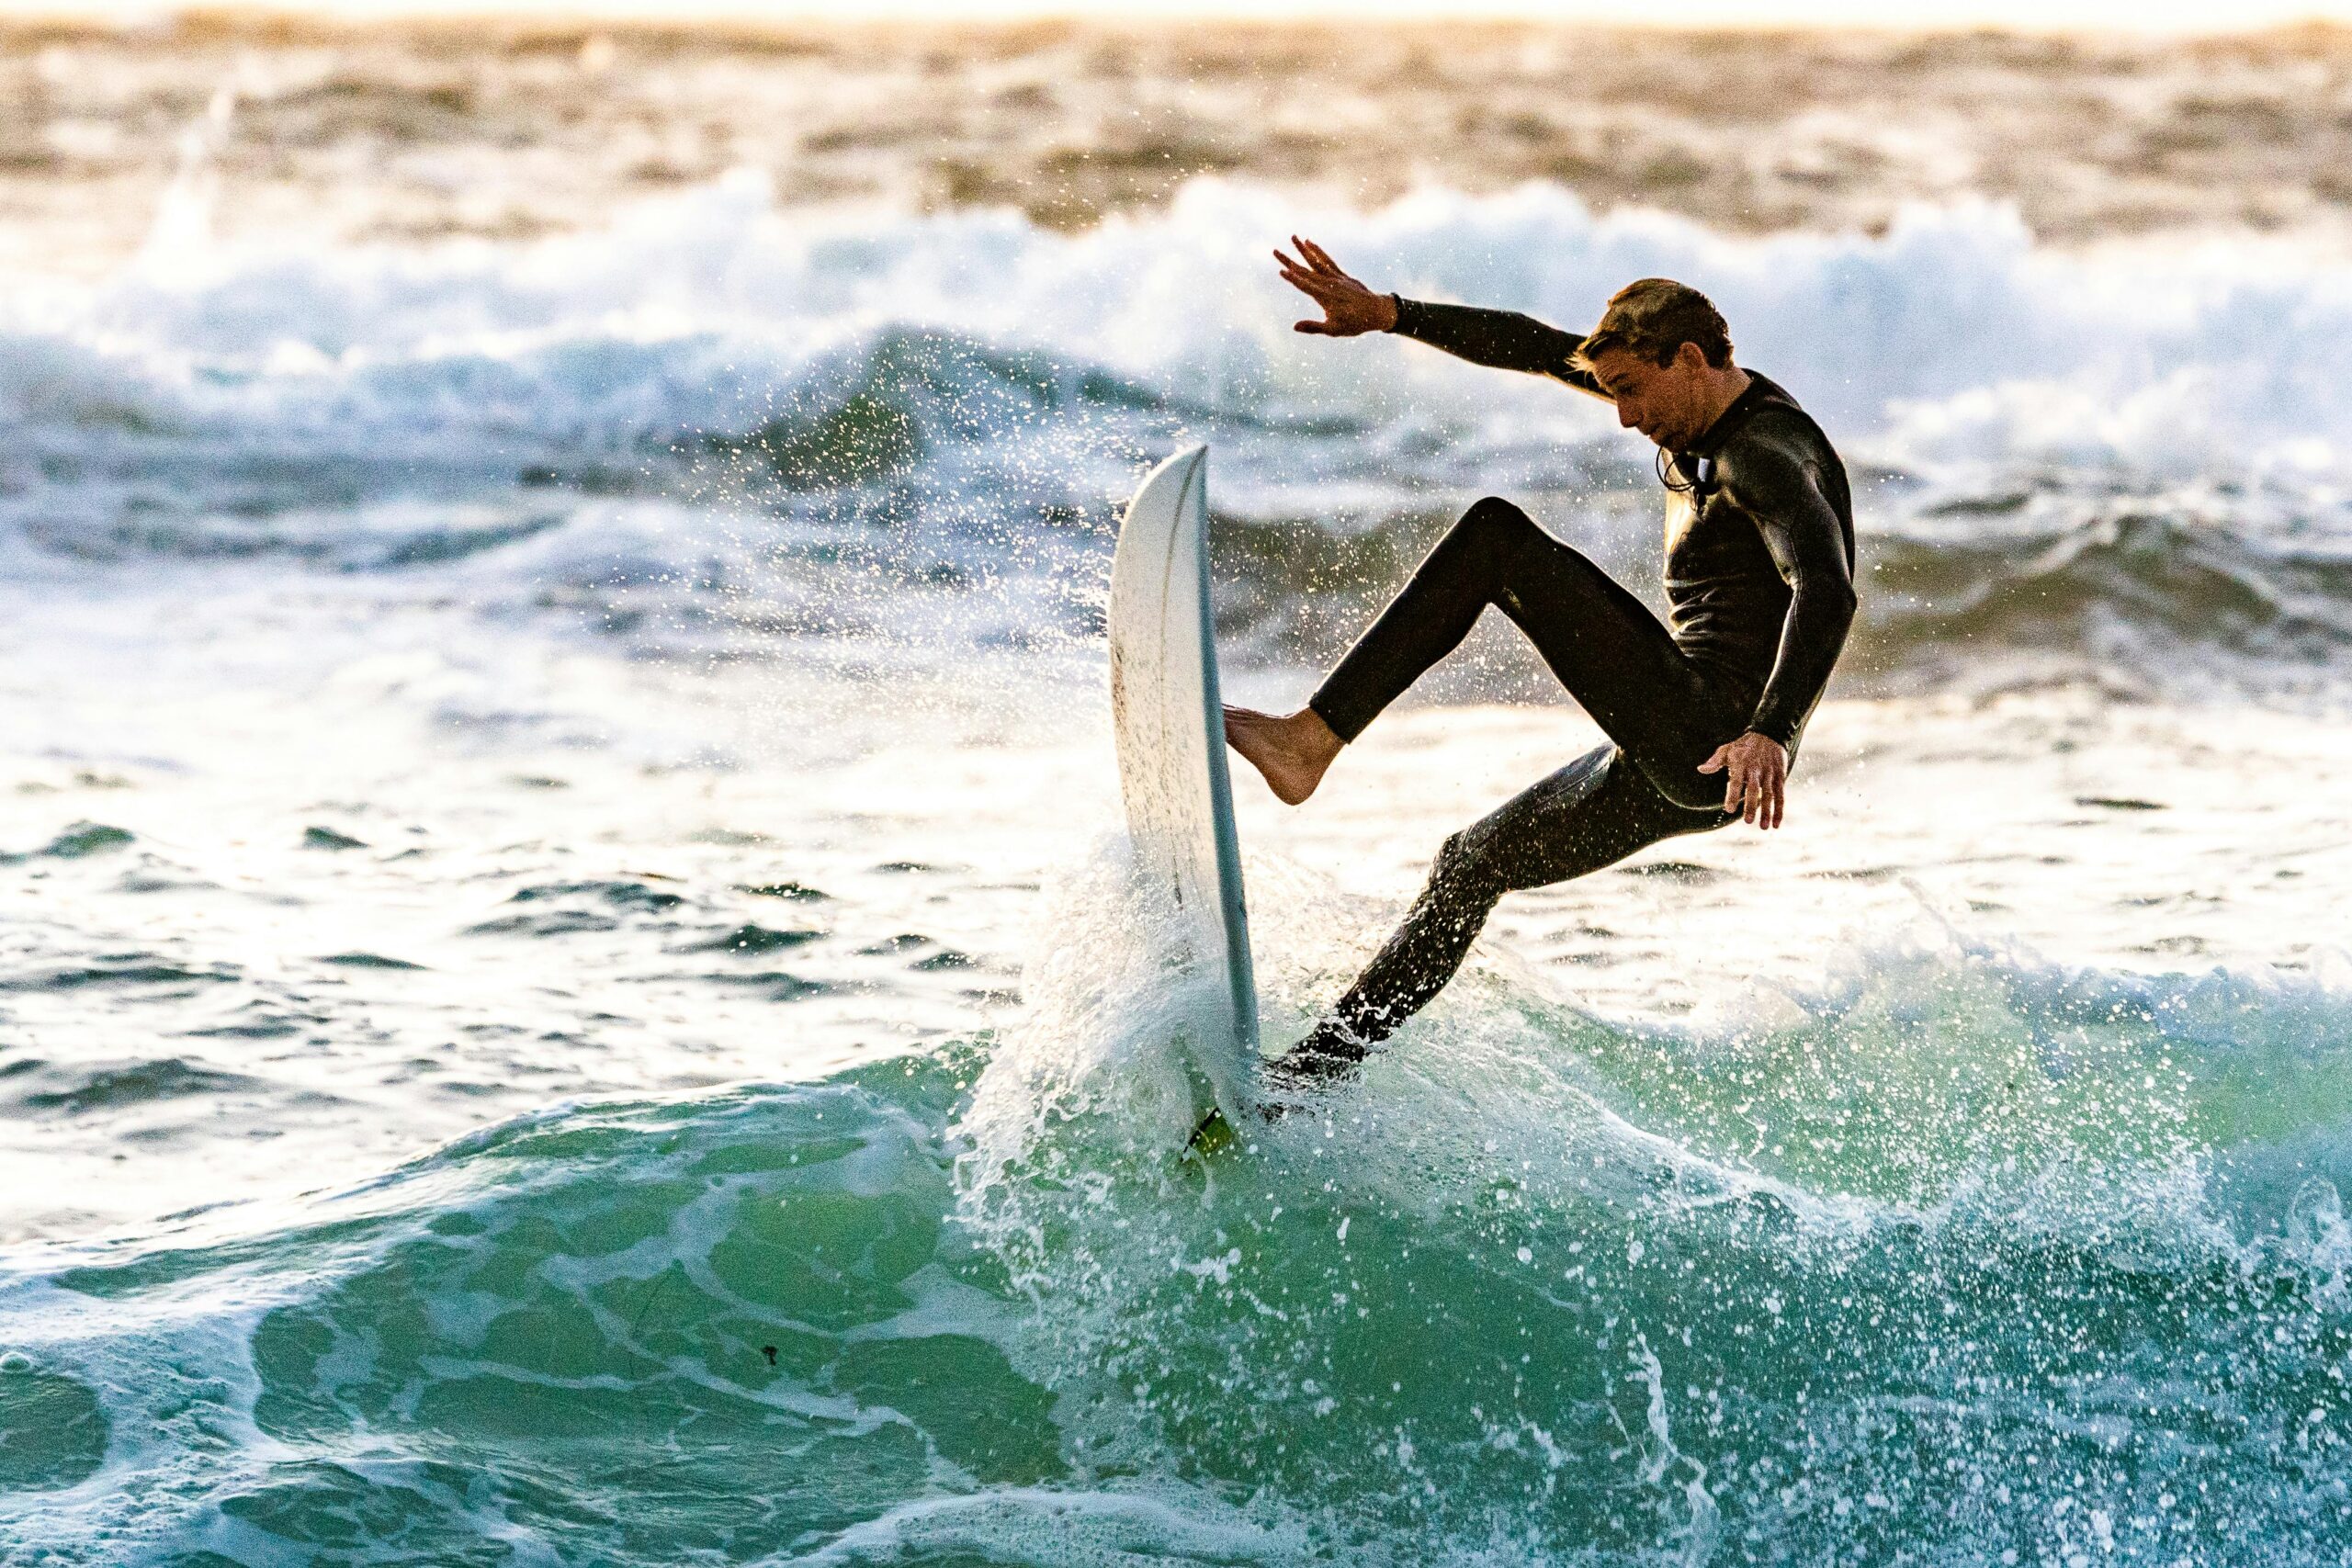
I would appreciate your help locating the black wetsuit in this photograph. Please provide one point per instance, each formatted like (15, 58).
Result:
(1759, 561)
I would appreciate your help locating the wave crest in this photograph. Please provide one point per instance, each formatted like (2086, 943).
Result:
(960, 401)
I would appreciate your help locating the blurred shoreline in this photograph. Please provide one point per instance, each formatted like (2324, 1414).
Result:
(418, 132)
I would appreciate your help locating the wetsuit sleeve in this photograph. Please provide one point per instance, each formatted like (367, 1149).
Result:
(1504, 340)
(1776, 488)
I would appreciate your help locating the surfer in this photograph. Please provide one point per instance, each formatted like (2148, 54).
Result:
(1759, 561)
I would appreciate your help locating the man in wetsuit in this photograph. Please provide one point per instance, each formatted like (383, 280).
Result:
(1759, 562)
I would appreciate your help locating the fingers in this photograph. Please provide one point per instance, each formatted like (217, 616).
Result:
(1320, 290)
(1755, 780)
(1349, 308)
(1763, 798)
(1316, 257)
(1303, 267)
(1313, 267)
(1313, 284)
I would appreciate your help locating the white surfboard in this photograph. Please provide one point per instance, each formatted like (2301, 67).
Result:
(1170, 727)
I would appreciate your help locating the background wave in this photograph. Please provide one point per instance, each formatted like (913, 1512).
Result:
(721, 412)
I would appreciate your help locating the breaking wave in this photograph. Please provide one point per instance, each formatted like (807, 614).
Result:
(720, 413)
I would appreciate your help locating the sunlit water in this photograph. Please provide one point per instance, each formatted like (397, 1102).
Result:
(571, 992)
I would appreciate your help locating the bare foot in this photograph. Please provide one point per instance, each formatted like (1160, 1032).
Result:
(1291, 750)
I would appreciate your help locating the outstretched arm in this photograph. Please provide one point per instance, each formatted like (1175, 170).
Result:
(1504, 340)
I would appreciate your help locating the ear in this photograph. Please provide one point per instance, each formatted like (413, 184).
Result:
(1689, 358)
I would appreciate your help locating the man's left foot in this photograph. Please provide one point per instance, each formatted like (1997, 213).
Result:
(1291, 750)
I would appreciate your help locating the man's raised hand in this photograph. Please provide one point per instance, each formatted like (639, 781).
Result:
(1349, 308)
(1758, 784)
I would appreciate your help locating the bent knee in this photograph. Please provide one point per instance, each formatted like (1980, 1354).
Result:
(1466, 871)
(1504, 533)
(1493, 532)
(1492, 511)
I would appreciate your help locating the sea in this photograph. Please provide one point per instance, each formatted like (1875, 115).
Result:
(573, 990)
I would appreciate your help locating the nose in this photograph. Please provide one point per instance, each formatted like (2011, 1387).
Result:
(1626, 418)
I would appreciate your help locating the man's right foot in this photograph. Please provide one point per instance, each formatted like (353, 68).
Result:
(1214, 1135)
(1327, 1057)
(1292, 750)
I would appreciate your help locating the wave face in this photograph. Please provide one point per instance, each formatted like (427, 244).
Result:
(2070, 1279)
(720, 420)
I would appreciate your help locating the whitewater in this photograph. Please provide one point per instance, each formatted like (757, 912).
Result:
(571, 992)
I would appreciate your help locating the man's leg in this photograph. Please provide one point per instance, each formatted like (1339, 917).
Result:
(1592, 813)
(1607, 649)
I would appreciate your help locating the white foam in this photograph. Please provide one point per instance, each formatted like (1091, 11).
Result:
(1953, 336)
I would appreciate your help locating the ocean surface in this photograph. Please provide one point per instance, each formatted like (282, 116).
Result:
(570, 991)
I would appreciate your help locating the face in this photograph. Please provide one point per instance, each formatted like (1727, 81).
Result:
(1668, 403)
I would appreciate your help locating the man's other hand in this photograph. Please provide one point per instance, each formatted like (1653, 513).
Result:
(1756, 770)
(1349, 308)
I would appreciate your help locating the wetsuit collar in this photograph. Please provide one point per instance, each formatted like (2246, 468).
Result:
(1758, 392)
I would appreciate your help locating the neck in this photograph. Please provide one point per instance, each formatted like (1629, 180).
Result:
(1724, 386)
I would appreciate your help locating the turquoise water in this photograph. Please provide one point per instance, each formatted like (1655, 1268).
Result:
(2067, 1281)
